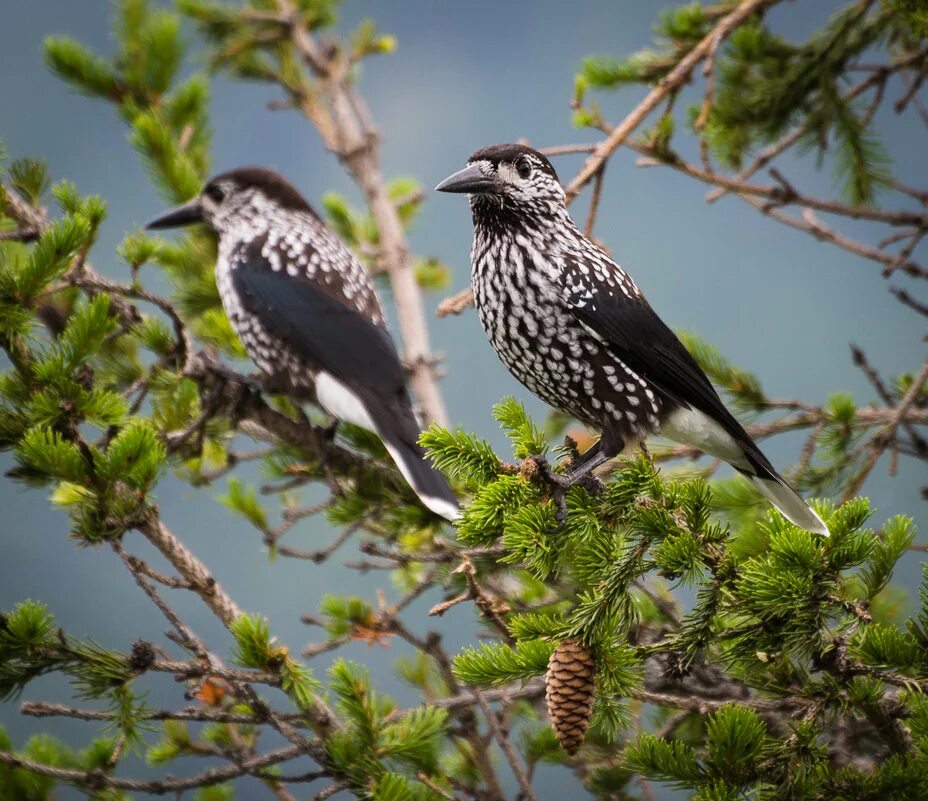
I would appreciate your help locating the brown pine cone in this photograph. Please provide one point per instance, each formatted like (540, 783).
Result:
(569, 686)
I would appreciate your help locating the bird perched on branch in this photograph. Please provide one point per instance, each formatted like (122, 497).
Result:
(573, 327)
(307, 313)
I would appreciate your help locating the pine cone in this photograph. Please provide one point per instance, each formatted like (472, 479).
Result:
(569, 687)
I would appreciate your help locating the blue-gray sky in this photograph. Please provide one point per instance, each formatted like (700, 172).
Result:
(465, 75)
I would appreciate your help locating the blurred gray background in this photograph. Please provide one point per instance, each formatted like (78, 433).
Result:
(465, 75)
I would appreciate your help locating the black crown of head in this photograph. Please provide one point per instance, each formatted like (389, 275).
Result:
(271, 184)
(498, 154)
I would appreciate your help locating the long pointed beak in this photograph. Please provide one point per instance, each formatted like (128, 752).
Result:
(186, 214)
(471, 180)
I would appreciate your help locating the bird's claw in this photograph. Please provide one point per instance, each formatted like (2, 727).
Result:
(325, 437)
(559, 485)
(249, 392)
(327, 433)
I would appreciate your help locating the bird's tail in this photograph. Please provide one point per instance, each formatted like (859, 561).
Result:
(787, 501)
(729, 441)
(430, 485)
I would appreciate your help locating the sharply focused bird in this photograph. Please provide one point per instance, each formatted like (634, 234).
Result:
(573, 327)
(307, 313)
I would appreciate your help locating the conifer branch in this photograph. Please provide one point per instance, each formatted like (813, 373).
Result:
(666, 86)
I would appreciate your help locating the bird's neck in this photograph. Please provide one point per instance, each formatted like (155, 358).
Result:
(501, 223)
(505, 216)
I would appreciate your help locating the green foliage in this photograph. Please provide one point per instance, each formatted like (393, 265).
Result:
(414, 737)
(380, 749)
(30, 647)
(148, 61)
(30, 178)
(178, 177)
(526, 439)
(737, 742)
(218, 792)
(765, 85)
(497, 663)
(764, 81)
(343, 614)
(912, 13)
(298, 682)
(531, 539)
(432, 274)
(244, 501)
(461, 456)
(78, 66)
(175, 741)
(886, 646)
(366, 40)
(29, 626)
(50, 257)
(255, 648)
(896, 537)
(673, 761)
(23, 785)
(47, 452)
(253, 644)
(677, 30)
(484, 520)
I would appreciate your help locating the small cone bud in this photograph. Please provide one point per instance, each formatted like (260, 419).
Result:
(569, 688)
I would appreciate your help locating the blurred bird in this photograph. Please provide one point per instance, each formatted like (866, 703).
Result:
(307, 313)
(574, 328)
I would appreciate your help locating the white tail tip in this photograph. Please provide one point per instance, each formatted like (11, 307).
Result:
(441, 507)
(790, 505)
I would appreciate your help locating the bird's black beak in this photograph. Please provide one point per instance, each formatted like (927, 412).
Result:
(188, 213)
(471, 180)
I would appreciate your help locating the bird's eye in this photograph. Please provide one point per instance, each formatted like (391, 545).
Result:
(524, 168)
(215, 193)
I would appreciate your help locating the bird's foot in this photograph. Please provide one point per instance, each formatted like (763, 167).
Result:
(247, 395)
(327, 433)
(559, 484)
(325, 437)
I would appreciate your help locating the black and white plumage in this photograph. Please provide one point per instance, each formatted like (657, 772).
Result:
(573, 327)
(308, 315)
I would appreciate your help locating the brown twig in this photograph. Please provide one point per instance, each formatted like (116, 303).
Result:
(502, 740)
(906, 299)
(594, 201)
(97, 779)
(41, 709)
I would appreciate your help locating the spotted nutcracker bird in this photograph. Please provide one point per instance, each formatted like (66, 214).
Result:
(307, 313)
(573, 327)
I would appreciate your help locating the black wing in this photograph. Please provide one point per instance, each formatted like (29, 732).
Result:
(330, 335)
(615, 311)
